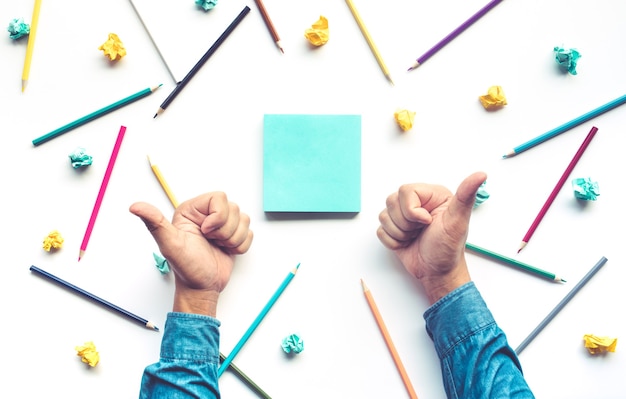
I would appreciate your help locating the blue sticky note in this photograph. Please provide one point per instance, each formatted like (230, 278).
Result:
(311, 163)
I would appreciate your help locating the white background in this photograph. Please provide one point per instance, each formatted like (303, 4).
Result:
(210, 138)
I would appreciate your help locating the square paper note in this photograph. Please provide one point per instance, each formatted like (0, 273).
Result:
(312, 163)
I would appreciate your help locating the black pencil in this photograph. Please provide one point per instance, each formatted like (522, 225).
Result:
(181, 85)
(91, 296)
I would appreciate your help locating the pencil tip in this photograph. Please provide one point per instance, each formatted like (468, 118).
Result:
(521, 246)
(155, 115)
(24, 83)
(412, 67)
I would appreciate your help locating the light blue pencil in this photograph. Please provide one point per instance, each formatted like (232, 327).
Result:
(257, 321)
(566, 126)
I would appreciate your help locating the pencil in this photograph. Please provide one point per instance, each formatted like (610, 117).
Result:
(145, 27)
(31, 44)
(103, 187)
(94, 115)
(560, 305)
(566, 126)
(242, 376)
(513, 262)
(94, 298)
(421, 59)
(558, 187)
(388, 341)
(369, 40)
(181, 85)
(246, 379)
(164, 185)
(257, 321)
(269, 24)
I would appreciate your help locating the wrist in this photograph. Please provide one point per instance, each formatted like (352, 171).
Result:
(437, 287)
(187, 300)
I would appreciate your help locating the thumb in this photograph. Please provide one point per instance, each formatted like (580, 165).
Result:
(161, 229)
(463, 201)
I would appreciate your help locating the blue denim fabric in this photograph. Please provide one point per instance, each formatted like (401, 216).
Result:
(476, 359)
(189, 360)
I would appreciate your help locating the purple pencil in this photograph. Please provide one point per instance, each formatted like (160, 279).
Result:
(454, 33)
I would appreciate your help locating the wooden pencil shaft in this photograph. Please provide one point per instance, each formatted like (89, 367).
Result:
(103, 187)
(561, 305)
(470, 21)
(245, 378)
(388, 341)
(34, 24)
(256, 322)
(268, 20)
(368, 37)
(560, 183)
(94, 115)
(510, 261)
(568, 125)
(163, 183)
(88, 295)
(181, 85)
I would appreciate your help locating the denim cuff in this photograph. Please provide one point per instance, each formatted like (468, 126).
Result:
(456, 317)
(190, 337)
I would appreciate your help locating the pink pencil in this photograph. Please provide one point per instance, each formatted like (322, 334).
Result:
(103, 188)
(558, 187)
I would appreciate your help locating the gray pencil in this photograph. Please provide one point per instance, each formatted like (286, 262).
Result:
(561, 305)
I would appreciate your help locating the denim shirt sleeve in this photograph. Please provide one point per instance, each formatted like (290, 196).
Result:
(188, 362)
(476, 359)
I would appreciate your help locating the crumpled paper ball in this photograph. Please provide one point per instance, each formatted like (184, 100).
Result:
(53, 241)
(88, 353)
(293, 344)
(585, 189)
(404, 118)
(161, 263)
(318, 33)
(567, 59)
(80, 158)
(481, 195)
(596, 345)
(113, 48)
(18, 28)
(494, 98)
(206, 4)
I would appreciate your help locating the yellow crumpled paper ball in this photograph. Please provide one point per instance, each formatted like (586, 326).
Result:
(596, 345)
(113, 47)
(494, 98)
(317, 34)
(88, 354)
(404, 118)
(53, 240)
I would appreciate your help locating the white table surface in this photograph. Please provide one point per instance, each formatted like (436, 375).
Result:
(210, 138)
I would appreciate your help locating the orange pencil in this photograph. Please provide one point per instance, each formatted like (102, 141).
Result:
(387, 337)
(269, 24)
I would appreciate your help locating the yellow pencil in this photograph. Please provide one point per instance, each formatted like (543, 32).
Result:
(163, 183)
(31, 44)
(388, 341)
(369, 40)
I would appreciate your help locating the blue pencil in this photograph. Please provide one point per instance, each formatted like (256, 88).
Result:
(566, 126)
(257, 321)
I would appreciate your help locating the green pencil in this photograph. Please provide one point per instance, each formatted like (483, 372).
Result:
(94, 115)
(514, 262)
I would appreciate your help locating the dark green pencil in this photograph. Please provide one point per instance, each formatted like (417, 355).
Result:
(94, 115)
(514, 262)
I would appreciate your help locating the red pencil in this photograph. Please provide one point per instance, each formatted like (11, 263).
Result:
(558, 187)
(103, 187)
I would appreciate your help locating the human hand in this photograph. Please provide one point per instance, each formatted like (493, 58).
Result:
(426, 226)
(200, 245)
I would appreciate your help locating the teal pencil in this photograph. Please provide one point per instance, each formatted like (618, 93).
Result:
(256, 321)
(94, 115)
(566, 126)
(514, 262)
